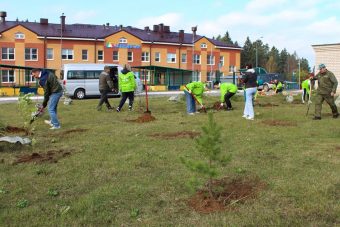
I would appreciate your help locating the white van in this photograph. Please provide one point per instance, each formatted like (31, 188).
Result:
(82, 80)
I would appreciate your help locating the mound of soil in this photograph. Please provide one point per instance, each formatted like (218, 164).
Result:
(51, 156)
(217, 106)
(279, 123)
(146, 117)
(14, 130)
(227, 193)
(337, 148)
(176, 135)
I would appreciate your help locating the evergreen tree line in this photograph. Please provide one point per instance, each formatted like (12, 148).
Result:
(270, 58)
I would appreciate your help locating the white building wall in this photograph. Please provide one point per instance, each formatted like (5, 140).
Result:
(329, 54)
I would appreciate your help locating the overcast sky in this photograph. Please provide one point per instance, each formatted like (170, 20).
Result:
(291, 24)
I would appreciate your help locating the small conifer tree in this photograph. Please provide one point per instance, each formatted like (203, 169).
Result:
(209, 145)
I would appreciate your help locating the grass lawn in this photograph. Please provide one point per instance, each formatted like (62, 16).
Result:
(100, 169)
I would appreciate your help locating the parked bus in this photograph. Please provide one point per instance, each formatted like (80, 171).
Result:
(82, 80)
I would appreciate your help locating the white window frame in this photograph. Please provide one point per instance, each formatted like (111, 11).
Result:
(100, 54)
(196, 74)
(197, 59)
(210, 59)
(29, 75)
(48, 55)
(221, 61)
(145, 57)
(157, 57)
(19, 35)
(231, 68)
(67, 53)
(2, 72)
(171, 57)
(184, 59)
(8, 53)
(211, 75)
(123, 40)
(84, 53)
(115, 55)
(31, 56)
(141, 76)
(130, 56)
(203, 45)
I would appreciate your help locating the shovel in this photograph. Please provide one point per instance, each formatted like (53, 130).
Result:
(194, 97)
(37, 113)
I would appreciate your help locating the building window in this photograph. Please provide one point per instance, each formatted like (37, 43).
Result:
(84, 56)
(157, 57)
(130, 56)
(145, 75)
(115, 55)
(67, 54)
(28, 76)
(122, 40)
(145, 56)
(221, 61)
(210, 76)
(7, 53)
(19, 35)
(231, 68)
(7, 76)
(210, 60)
(203, 45)
(171, 58)
(184, 58)
(100, 55)
(196, 76)
(49, 54)
(31, 54)
(197, 59)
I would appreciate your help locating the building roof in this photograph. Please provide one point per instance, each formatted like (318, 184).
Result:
(159, 33)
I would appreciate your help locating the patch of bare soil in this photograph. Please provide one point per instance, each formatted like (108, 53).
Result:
(17, 130)
(176, 135)
(51, 156)
(297, 102)
(279, 123)
(227, 193)
(146, 117)
(337, 148)
(266, 104)
(217, 106)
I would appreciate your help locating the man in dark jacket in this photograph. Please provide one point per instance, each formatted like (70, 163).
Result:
(52, 93)
(327, 85)
(105, 86)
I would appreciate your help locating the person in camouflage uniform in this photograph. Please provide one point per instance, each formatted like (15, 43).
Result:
(327, 85)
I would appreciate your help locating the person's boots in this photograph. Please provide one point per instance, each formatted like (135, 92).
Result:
(335, 112)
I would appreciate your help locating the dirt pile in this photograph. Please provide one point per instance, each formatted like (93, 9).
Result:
(51, 156)
(267, 104)
(15, 130)
(70, 131)
(175, 135)
(228, 192)
(146, 117)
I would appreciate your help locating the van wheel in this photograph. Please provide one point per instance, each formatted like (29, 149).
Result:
(79, 93)
(265, 87)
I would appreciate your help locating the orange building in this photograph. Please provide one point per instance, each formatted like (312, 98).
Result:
(49, 45)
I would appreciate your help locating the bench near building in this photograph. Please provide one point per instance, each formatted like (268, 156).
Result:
(167, 59)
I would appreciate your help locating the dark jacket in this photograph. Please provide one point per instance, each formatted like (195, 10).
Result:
(327, 83)
(250, 79)
(50, 84)
(105, 82)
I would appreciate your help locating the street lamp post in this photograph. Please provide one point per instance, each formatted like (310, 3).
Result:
(193, 29)
(256, 51)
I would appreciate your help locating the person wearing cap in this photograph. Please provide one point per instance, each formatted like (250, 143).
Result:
(327, 85)
(105, 86)
(52, 94)
(127, 85)
(306, 86)
(192, 91)
(228, 90)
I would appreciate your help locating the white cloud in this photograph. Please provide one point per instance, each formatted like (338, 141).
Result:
(84, 16)
(172, 19)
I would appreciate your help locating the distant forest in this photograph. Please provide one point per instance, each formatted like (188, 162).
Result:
(270, 58)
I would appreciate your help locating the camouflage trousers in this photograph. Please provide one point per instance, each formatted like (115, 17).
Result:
(319, 98)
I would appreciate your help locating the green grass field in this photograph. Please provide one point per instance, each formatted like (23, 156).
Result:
(105, 170)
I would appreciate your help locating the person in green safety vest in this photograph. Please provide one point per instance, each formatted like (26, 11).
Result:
(305, 85)
(127, 86)
(228, 90)
(193, 93)
(277, 86)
